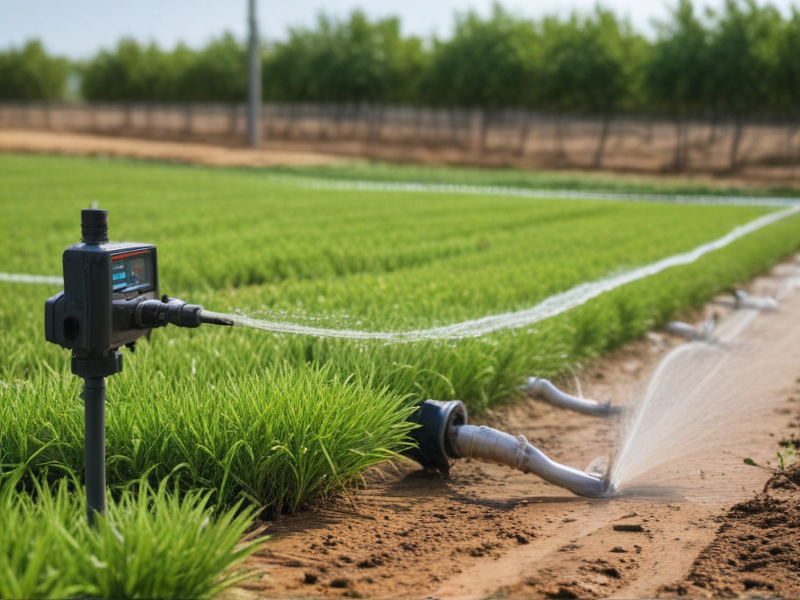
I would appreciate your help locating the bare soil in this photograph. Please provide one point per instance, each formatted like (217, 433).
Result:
(79, 144)
(230, 152)
(755, 149)
(756, 546)
(486, 531)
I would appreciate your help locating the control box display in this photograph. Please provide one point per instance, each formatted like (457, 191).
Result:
(102, 284)
(133, 272)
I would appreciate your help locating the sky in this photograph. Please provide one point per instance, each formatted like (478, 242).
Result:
(78, 28)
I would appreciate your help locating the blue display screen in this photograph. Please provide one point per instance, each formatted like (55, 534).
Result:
(132, 272)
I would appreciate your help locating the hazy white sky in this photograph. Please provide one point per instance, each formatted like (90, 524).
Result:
(79, 27)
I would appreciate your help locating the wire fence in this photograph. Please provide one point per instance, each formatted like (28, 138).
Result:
(635, 142)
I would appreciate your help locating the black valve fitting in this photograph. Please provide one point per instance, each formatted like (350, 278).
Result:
(434, 447)
(155, 313)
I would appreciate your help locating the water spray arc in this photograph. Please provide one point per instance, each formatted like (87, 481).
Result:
(110, 300)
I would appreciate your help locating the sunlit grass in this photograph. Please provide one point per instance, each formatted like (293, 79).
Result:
(150, 544)
(235, 418)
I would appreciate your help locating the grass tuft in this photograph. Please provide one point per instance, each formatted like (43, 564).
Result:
(150, 544)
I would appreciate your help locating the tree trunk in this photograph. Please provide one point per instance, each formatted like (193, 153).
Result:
(484, 130)
(737, 139)
(523, 134)
(560, 153)
(681, 144)
(598, 155)
(451, 117)
(712, 134)
(188, 118)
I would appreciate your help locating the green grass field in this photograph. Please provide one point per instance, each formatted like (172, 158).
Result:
(275, 420)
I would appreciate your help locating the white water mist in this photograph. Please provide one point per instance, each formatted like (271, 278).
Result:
(698, 395)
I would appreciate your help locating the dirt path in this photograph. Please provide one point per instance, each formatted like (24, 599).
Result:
(46, 142)
(299, 154)
(488, 531)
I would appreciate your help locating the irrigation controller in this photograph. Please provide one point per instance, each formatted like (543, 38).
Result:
(110, 300)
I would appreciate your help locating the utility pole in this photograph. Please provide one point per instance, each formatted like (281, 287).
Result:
(253, 78)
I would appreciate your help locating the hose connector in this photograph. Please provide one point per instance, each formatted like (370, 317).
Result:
(155, 313)
(434, 441)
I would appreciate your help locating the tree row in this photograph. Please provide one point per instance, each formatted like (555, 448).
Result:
(743, 58)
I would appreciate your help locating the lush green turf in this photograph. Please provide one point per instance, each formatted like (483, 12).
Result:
(151, 544)
(517, 178)
(236, 239)
(275, 439)
(278, 420)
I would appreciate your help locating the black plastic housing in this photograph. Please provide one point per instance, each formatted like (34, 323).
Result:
(90, 317)
(81, 317)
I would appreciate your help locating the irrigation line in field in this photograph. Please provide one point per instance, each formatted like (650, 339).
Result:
(552, 306)
(320, 183)
(23, 278)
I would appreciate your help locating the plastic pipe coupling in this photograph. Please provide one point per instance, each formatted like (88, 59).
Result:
(436, 420)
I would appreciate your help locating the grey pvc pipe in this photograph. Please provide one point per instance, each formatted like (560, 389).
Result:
(745, 300)
(703, 333)
(542, 389)
(94, 454)
(491, 445)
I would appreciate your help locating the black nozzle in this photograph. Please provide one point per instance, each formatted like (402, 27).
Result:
(213, 318)
(94, 225)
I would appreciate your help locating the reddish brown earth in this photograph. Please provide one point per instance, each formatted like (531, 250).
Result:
(487, 531)
(757, 548)
(79, 144)
(297, 153)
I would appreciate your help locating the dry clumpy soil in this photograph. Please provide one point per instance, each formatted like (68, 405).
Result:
(707, 526)
(757, 547)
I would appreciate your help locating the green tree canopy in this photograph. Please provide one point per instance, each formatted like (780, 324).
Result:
(741, 59)
(135, 72)
(487, 63)
(29, 73)
(591, 63)
(743, 68)
(216, 73)
(354, 60)
(678, 66)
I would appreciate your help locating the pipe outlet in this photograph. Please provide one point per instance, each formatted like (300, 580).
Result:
(542, 389)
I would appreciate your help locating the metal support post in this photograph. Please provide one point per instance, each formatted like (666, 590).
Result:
(94, 397)
(253, 78)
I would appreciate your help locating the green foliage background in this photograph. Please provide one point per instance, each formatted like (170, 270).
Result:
(741, 59)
